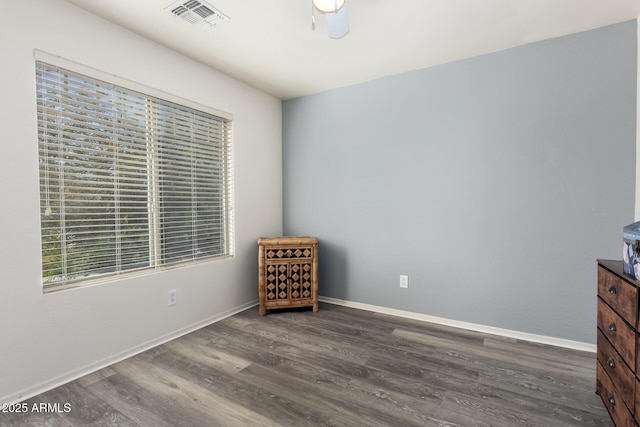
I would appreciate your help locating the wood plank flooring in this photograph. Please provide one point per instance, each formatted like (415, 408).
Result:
(337, 367)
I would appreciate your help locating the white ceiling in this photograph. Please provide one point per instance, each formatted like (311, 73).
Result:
(269, 44)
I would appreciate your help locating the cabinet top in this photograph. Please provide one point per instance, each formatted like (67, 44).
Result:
(288, 240)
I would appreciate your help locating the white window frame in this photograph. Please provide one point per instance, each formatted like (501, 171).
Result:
(223, 202)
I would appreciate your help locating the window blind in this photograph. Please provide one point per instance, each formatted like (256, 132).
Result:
(129, 182)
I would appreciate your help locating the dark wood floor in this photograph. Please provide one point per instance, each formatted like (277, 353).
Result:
(337, 367)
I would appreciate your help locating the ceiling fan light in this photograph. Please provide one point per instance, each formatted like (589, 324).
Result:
(328, 6)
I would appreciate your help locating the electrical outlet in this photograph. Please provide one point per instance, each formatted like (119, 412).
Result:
(404, 281)
(172, 298)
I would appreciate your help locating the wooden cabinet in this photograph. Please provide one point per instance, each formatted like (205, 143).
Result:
(287, 272)
(618, 377)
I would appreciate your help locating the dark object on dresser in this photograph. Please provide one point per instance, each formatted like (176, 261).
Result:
(631, 249)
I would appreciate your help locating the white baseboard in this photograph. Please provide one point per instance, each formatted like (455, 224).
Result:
(92, 367)
(541, 339)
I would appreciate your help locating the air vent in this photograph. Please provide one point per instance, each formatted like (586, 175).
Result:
(198, 13)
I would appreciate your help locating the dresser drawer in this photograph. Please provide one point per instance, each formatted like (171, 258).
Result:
(612, 400)
(617, 370)
(287, 252)
(619, 333)
(619, 294)
(638, 358)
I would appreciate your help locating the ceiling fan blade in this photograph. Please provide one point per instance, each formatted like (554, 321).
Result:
(338, 23)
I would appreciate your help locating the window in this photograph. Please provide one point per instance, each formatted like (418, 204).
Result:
(129, 182)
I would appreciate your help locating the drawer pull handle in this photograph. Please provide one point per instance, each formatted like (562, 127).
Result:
(612, 327)
(611, 362)
(611, 400)
(612, 290)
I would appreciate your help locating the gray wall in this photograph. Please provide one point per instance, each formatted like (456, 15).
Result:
(493, 182)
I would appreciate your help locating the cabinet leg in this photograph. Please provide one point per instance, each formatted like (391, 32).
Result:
(262, 310)
(315, 307)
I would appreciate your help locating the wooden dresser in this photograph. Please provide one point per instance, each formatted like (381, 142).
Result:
(618, 367)
(287, 272)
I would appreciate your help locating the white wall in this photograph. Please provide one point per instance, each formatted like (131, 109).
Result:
(637, 206)
(48, 339)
